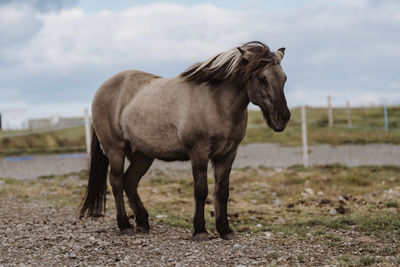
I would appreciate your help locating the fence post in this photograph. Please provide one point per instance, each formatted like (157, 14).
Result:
(330, 115)
(87, 132)
(304, 136)
(349, 122)
(386, 117)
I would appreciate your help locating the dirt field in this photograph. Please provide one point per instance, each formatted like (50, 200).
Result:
(330, 215)
(37, 234)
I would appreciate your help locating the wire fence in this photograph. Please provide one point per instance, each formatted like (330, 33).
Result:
(336, 125)
(86, 124)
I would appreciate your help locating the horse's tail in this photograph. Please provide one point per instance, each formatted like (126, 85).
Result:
(94, 201)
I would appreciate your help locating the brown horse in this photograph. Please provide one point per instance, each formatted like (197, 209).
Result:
(200, 115)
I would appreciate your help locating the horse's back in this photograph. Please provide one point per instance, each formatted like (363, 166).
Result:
(110, 99)
(121, 87)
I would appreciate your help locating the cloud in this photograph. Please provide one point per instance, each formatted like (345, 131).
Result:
(156, 32)
(162, 31)
(41, 5)
(10, 94)
(394, 85)
(346, 48)
(17, 25)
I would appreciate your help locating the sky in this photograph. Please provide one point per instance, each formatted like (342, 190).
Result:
(55, 54)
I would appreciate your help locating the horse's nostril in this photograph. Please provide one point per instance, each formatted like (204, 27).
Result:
(283, 117)
(277, 117)
(286, 116)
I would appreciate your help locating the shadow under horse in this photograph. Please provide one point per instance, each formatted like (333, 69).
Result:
(200, 115)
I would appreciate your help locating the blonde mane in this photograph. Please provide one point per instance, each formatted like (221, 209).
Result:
(231, 64)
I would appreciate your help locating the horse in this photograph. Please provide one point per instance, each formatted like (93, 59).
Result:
(200, 115)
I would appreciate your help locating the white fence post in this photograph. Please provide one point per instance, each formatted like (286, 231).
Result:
(304, 136)
(349, 122)
(330, 115)
(87, 132)
(386, 117)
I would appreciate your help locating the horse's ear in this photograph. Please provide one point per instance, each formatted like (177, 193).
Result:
(245, 54)
(281, 52)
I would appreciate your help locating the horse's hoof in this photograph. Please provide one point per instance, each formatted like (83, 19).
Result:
(142, 229)
(228, 236)
(128, 232)
(201, 237)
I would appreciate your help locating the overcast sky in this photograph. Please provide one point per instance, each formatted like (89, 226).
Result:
(55, 54)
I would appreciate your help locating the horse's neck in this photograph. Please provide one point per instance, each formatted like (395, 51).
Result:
(232, 99)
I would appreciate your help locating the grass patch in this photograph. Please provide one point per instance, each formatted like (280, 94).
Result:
(392, 204)
(11, 181)
(58, 141)
(343, 261)
(333, 238)
(388, 251)
(57, 190)
(365, 260)
(170, 219)
(162, 180)
(296, 180)
(46, 177)
(298, 168)
(368, 260)
(385, 225)
(381, 224)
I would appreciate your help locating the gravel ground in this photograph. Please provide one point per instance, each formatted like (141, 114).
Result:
(34, 233)
(37, 234)
(253, 155)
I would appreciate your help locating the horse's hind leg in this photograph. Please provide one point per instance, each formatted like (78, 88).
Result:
(139, 166)
(117, 159)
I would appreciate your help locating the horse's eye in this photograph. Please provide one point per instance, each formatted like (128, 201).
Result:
(262, 79)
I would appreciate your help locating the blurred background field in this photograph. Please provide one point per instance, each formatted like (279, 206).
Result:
(51, 141)
(367, 127)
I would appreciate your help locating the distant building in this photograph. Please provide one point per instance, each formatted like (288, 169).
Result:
(56, 122)
(13, 116)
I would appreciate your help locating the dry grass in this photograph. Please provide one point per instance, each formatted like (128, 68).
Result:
(365, 199)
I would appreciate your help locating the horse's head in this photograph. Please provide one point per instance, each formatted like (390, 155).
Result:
(265, 83)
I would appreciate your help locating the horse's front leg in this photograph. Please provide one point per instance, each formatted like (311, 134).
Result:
(199, 167)
(222, 169)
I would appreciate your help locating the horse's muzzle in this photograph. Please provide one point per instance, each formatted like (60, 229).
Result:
(279, 120)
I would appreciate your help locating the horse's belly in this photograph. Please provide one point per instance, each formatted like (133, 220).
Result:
(155, 139)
